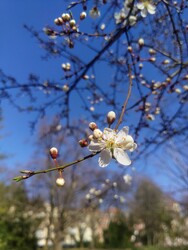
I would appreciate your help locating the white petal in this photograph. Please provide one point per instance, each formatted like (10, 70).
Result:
(144, 12)
(133, 147)
(121, 156)
(129, 139)
(105, 158)
(140, 6)
(132, 20)
(95, 146)
(122, 134)
(151, 9)
(108, 134)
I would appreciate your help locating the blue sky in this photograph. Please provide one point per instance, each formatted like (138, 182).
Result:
(20, 56)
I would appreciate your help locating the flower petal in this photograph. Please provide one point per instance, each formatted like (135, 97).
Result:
(151, 8)
(108, 134)
(144, 12)
(133, 147)
(122, 134)
(105, 158)
(95, 145)
(140, 6)
(121, 156)
(129, 139)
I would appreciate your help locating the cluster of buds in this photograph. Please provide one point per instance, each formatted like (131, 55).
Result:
(67, 21)
(54, 154)
(97, 133)
(66, 66)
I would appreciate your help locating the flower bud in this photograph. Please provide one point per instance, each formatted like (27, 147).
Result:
(185, 77)
(97, 133)
(83, 15)
(65, 88)
(140, 66)
(114, 184)
(111, 116)
(185, 87)
(53, 153)
(60, 181)
(150, 117)
(58, 21)
(152, 59)
(166, 61)
(178, 91)
(152, 52)
(129, 48)
(94, 13)
(72, 23)
(85, 77)
(141, 42)
(83, 143)
(92, 126)
(66, 17)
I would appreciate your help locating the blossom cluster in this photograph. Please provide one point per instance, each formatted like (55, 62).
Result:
(110, 143)
(143, 6)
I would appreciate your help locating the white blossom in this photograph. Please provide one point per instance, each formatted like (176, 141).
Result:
(128, 179)
(113, 145)
(122, 16)
(94, 13)
(146, 6)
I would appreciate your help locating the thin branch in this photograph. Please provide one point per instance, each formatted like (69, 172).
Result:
(126, 100)
(30, 173)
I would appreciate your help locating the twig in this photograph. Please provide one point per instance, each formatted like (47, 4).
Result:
(126, 100)
(29, 173)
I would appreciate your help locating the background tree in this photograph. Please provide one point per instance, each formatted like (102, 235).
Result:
(149, 207)
(18, 222)
(118, 233)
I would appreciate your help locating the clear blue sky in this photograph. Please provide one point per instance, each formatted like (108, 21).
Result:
(19, 56)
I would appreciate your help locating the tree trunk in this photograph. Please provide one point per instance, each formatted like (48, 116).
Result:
(58, 246)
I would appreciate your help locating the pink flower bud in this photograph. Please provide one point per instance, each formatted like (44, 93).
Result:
(83, 143)
(53, 153)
